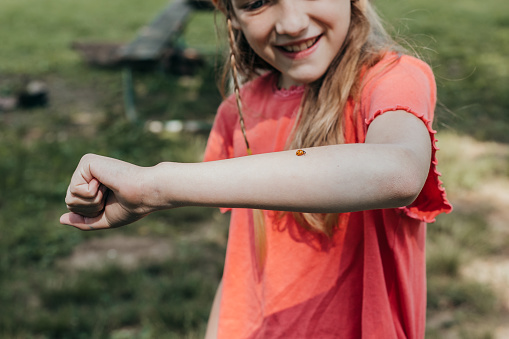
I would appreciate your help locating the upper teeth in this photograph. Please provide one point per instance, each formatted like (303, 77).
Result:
(299, 47)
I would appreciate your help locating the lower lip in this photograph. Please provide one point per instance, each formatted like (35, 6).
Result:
(302, 54)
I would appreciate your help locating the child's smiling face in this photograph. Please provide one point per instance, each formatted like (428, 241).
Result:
(300, 38)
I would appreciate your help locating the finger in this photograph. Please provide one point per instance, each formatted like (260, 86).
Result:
(84, 190)
(84, 223)
(88, 207)
(94, 186)
(84, 195)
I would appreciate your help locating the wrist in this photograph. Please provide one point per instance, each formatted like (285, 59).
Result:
(160, 187)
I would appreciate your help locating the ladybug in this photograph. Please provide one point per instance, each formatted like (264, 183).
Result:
(300, 152)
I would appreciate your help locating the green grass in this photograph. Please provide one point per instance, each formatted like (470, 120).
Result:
(39, 298)
(465, 41)
(36, 35)
(38, 151)
(168, 299)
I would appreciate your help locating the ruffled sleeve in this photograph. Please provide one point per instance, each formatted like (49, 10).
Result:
(405, 83)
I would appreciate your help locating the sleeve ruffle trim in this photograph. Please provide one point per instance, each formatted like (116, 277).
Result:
(432, 200)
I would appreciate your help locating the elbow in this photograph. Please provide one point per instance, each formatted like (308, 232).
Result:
(407, 181)
(406, 191)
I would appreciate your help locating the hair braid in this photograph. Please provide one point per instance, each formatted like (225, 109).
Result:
(258, 217)
(236, 86)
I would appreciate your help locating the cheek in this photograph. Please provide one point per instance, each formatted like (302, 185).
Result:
(340, 24)
(258, 37)
(336, 12)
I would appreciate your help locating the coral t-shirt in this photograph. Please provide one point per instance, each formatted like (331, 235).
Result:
(368, 280)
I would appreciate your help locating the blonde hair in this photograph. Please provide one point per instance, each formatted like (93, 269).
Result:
(320, 118)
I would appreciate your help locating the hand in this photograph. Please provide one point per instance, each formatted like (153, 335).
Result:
(105, 193)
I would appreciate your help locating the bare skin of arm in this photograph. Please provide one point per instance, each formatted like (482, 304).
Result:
(387, 171)
(213, 323)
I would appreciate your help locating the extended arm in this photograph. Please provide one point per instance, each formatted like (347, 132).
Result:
(387, 171)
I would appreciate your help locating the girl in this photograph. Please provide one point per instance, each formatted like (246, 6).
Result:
(340, 125)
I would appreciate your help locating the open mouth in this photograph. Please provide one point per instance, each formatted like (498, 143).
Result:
(301, 46)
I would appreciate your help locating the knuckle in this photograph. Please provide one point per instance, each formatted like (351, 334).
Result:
(86, 157)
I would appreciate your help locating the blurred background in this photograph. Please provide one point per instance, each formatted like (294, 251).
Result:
(65, 90)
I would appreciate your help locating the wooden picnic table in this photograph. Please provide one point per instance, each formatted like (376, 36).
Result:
(152, 41)
(160, 33)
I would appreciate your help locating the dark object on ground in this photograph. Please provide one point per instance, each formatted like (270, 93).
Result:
(35, 94)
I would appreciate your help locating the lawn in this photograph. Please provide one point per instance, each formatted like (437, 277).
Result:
(156, 279)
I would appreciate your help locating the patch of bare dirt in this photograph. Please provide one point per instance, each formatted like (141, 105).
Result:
(134, 250)
(501, 332)
(126, 251)
(497, 192)
(492, 271)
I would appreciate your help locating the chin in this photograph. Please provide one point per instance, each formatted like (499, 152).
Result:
(307, 77)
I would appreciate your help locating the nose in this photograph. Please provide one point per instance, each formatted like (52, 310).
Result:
(292, 18)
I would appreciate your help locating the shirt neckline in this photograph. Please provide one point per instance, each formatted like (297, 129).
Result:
(293, 91)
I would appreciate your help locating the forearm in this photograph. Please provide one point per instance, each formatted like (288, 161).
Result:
(335, 178)
(388, 170)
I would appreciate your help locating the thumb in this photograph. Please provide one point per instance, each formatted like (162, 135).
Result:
(84, 223)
